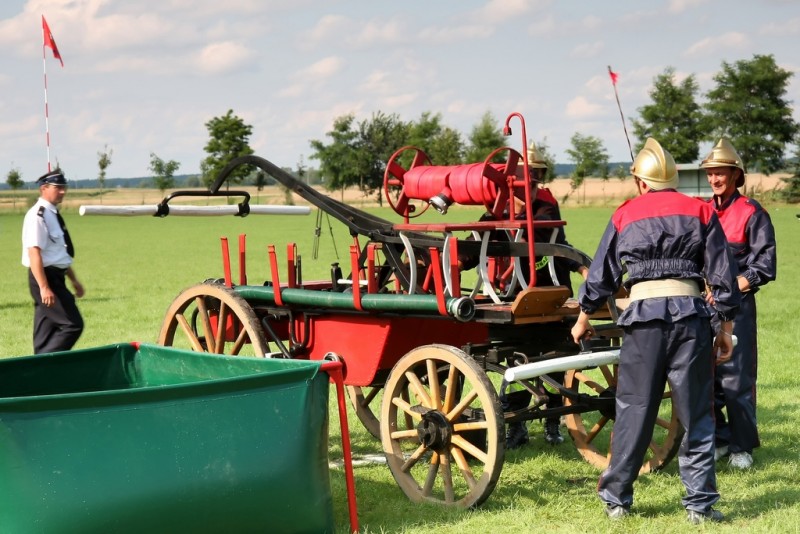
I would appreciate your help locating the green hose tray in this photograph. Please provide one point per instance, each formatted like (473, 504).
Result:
(145, 438)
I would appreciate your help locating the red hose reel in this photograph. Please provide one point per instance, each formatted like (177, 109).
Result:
(473, 184)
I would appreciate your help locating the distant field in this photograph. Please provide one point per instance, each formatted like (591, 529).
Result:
(132, 269)
(594, 192)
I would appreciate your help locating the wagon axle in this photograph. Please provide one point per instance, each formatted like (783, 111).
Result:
(435, 431)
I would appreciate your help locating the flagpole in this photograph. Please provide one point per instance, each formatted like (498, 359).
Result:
(621, 116)
(46, 112)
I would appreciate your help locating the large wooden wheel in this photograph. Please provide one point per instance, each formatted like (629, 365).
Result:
(442, 428)
(591, 431)
(193, 319)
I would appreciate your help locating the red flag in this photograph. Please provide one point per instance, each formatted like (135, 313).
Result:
(50, 42)
(613, 75)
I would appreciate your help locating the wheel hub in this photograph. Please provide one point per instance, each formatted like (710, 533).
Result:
(434, 431)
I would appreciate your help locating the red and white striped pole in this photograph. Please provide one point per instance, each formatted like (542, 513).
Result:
(48, 41)
(46, 112)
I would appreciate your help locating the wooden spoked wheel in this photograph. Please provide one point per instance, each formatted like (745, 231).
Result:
(591, 431)
(192, 322)
(452, 451)
(366, 402)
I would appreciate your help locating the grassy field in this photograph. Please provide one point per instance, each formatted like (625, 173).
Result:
(133, 268)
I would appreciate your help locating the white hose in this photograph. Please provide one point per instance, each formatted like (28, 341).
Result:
(196, 211)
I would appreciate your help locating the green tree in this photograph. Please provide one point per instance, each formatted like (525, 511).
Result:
(378, 138)
(103, 161)
(749, 106)
(485, 137)
(674, 118)
(14, 181)
(338, 159)
(590, 158)
(549, 159)
(791, 192)
(229, 138)
(357, 155)
(447, 148)
(621, 172)
(442, 143)
(163, 172)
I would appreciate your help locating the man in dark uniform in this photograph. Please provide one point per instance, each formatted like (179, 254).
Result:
(751, 238)
(48, 253)
(672, 246)
(545, 207)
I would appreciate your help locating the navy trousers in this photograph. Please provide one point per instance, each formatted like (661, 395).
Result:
(735, 385)
(653, 354)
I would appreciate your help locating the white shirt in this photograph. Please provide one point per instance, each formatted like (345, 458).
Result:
(43, 231)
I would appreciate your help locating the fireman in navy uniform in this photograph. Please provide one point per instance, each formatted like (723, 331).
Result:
(545, 207)
(751, 238)
(47, 252)
(672, 245)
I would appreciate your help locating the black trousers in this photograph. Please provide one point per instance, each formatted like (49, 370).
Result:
(59, 327)
(652, 354)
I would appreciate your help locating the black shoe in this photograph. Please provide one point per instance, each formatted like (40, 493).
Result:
(552, 432)
(694, 517)
(615, 513)
(516, 435)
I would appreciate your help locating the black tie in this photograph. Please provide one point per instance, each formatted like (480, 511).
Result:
(67, 238)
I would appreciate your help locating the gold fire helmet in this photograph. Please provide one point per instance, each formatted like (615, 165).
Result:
(655, 166)
(535, 159)
(724, 155)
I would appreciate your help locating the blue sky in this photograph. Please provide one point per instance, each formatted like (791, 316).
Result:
(145, 76)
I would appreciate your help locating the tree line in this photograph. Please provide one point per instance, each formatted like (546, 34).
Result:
(748, 104)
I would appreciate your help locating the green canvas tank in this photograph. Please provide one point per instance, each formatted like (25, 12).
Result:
(145, 438)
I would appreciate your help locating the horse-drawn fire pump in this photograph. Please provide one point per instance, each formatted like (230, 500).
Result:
(423, 356)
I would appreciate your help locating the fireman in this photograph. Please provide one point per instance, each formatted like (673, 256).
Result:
(671, 245)
(514, 396)
(751, 239)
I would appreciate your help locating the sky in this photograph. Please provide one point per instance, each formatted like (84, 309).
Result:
(146, 76)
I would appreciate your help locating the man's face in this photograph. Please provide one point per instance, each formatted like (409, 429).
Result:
(722, 180)
(54, 194)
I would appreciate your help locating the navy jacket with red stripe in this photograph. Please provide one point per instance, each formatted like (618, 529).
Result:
(659, 235)
(751, 238)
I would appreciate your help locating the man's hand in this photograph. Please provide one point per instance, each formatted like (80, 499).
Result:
(48, 297)
(79, 291)
(744, 284)
(582, 328)
(723, 343)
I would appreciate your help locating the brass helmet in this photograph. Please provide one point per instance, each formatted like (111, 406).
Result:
(535, 159)
(655, 166)
(724, 155)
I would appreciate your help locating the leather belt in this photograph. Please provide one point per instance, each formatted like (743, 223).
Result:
(670, 287)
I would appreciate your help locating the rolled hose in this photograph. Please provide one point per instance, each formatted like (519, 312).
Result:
(460, 308)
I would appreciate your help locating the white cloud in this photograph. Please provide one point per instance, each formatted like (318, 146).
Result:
(223, 57)
(780, 28)
(498, 11)
(679, 6)
(446, 34)
(580, 108)
(322, 69)
(379, 31)
(719, 44)
(328, 27)
(587, 50)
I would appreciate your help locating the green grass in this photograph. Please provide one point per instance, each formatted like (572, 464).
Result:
(133, 268)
